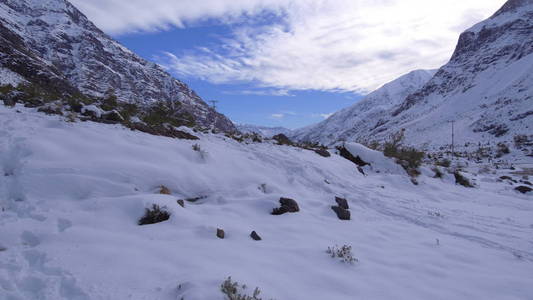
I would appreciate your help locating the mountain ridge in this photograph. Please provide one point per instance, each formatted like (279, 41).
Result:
(71, 53)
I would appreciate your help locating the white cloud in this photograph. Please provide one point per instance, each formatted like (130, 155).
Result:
(261, 92)
(334, 45)
(277, 116)
(325, 116)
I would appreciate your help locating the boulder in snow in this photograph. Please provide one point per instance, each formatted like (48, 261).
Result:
(342, 213)
(255, 236)
(220, 233)
(523, 189)
(341, 202)
(287, 205)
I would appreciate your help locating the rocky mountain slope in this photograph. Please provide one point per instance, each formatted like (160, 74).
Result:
(263, 130)
(354, 122)
(52, 44)
(486, 90)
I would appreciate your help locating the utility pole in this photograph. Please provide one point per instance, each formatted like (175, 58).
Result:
(453, 140)
(214, 104)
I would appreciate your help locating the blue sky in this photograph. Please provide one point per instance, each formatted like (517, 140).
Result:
(288, 62)
(243, 102)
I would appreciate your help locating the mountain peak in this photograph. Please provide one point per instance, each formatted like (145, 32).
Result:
(512, 5)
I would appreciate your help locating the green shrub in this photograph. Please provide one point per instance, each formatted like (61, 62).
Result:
(344, 253)
(460, 179)
(446, 163)
(409, 158)
(154, 215)
(109, 103)
(165, 113)
(231, 291)
(438, 173)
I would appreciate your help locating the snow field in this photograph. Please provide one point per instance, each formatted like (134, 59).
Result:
(74, 192)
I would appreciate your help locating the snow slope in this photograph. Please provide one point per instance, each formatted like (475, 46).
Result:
(51, 41)
(486, 89)
(355, 122)
(73, 192)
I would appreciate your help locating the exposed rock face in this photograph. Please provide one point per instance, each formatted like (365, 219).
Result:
(52, 44)
(486, 89)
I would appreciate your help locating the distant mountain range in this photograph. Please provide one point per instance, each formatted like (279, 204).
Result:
(52, 45)
(263, 130)
(485, 90)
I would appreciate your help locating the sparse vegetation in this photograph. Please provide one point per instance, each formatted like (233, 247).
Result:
(446, 163)
(409, 158)
(153, 215)
(460, 179)
(344, 253)
(235, 291)
(438, 172)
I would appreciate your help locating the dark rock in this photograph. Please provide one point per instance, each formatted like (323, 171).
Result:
(526, 182)
(287, 205)
(181, 202)
(342, 202)
(220, 233)
(161, 130)
(360, 170)
(282, 139)
(113, 116)
(195, 199)
(322, 152)
(50, 110)
(9, 102)
(255, 236)
(348, 155)
(342, 214)
(523, 189)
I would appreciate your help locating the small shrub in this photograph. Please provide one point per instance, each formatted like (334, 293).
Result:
(446, 163)
(234, 291)
(198, 148)
(438, 173)
(502, 149)
(154, 215)
(344, 253)
(409, 158)
(460, 179)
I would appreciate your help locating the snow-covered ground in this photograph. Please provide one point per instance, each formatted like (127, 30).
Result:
(73, 192)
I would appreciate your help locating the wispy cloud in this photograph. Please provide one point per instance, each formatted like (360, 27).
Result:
(277, 116)
(333, 45)
(261, 92)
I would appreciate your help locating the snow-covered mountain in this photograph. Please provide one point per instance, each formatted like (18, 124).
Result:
(486, 90)
(53, 44)
(356, 121)
(263, 130)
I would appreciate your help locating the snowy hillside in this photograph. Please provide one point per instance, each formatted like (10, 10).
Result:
(263, 130)
(486, 89)
(52, 44)
(354, 123)
(73, 192)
